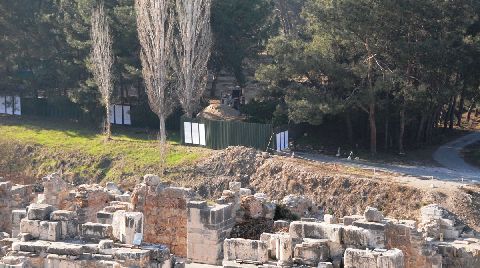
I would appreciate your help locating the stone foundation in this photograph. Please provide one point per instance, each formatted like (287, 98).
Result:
(93, 226)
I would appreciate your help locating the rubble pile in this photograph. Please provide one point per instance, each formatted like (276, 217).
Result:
(164, 227)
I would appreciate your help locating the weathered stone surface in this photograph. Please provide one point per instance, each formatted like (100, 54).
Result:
(63, 215)
(248, 250)
(165, 215)
(355, 258)
(316, 230)
(151, 180)
(373, 215)
(312, 251)
(96, 231)
(349, 220)
(300, 205)
(330, 219)
(39, 212)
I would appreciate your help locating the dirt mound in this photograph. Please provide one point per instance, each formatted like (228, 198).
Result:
(211, 176)
(217, 111)
(344, 191)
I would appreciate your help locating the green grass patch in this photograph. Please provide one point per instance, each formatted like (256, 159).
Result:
(83, 152)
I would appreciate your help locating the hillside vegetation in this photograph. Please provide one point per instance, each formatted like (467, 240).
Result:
(32, 148)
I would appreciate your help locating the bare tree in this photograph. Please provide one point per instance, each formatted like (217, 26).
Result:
(193, 47)
(155, 32)
(102, 60)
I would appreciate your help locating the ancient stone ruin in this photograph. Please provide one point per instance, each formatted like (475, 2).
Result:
(162, 226)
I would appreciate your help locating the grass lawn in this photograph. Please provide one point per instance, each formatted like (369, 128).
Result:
(82, 152)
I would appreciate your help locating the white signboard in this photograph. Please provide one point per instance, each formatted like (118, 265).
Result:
(187, 126)
(2, 105)
(112, 114)
(137, 239)
(118, 114)
(202, 135)
(127, 120)
(282, 141)
(17, 107)
(279, 142)
(195, 134)
(9, 105)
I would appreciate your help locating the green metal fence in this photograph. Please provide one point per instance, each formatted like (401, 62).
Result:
(222, 134)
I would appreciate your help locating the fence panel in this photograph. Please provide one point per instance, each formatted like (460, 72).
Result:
(222, 134)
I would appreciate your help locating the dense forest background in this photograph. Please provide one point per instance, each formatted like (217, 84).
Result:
(388, 74)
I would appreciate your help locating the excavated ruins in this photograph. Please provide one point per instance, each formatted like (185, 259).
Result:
(157, 225)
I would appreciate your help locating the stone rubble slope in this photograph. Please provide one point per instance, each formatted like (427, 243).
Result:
(332, 187)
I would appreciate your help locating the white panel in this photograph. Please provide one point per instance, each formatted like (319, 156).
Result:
(127, 120)
(282, 140)
(278, 143)
(118, 114)
(203, 135)
(195, 134)
(286, 140)
(18, 106)
(187, 126)
(9, 105)
(112, 116)
(2, 104)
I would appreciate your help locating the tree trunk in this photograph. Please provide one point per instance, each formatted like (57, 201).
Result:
(163, 145)
(421, 128)
(373, 129)
(213, 88)
(108, 127)
(401, 149)
(348, 121)
(461, 105)
(387, 123)
(452, 113)
(470, 110)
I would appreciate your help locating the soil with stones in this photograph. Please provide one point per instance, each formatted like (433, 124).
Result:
(344, 190)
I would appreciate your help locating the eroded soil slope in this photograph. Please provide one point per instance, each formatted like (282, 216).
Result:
(344, 190)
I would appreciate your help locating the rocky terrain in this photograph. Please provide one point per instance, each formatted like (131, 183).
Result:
(334, 188)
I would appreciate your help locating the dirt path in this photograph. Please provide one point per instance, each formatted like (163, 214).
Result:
(455, 168)
(449, 155)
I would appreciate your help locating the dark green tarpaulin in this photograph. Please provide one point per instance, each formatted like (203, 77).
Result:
(222, 134)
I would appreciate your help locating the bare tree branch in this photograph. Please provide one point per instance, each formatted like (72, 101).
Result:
(102, 59)
(155, 32)
(193, 46)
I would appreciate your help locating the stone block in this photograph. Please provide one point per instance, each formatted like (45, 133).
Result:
(325, 265)
(118, 224)
(104, 217)
(312, 251)
(330, 219)
(245, 192)
(123, 198)
(355, 258)
(30, 226)
(151, 180)
(243, 249)
(316, 230)
(349, 220)
(63, 215)
(235, 186)
(355, 237)
(133, 225)
(50, 231)
(96, 231)
(373, 215)
(39, 212)
(284, 249)
(112, 188)
(376, 232)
